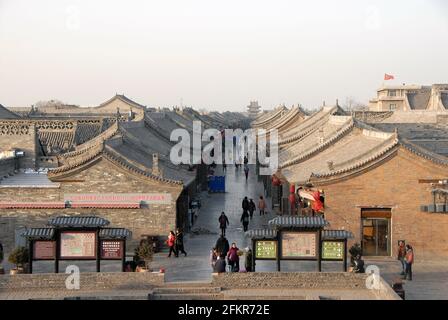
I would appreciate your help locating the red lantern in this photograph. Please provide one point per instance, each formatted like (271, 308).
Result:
(292, 198)
(292, 188)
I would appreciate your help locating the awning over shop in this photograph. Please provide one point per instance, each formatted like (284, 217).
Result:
(326, 234)
(78, 222)
(298, 222)
(39, 233)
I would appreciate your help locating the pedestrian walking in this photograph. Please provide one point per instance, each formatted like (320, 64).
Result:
(180, 242)
(245, 220)
(252, 208)
(401, 256)
(171, 244)
(223, 223)
(262, 206)
(213, 258)
(220, 265)
(245, 204)
(222, 246)
(233, 258)
(248, 262)
(409, 260)
(246, 171)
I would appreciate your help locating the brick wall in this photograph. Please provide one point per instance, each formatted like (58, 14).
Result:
(394, 184)
(103, 177)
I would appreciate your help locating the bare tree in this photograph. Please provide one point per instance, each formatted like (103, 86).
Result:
(351, 104)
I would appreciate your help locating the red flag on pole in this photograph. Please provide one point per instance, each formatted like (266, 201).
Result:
(388, 77)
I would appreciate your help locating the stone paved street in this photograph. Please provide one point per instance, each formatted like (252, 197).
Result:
(196, 265)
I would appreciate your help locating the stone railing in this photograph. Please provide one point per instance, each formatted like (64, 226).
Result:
(290, 280)
(88, 281)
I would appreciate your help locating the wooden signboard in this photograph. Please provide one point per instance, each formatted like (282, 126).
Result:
(78, 245)
(266, 249)
(333, 250)
(44, 250)
(299, 245)
(112, 249)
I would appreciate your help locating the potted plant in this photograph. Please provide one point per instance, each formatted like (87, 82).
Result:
(143, 255)
(19, 257)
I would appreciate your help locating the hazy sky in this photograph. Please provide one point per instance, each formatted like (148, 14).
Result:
(217, 54)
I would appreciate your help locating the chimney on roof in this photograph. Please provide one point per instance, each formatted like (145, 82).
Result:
(320, 136)
(155, 165)
(337, 102)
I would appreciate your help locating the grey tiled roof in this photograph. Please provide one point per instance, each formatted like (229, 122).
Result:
(336, 234)
(272, 233)
(39, 233)
(86, 221)
(419, 100)
(115, 233)
(300, 222)
(6, 114)
(261, 233)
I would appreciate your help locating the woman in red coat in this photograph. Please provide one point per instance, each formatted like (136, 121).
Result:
(171, 244)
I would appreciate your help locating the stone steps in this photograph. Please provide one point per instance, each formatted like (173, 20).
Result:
(185, 296)
(187, 290)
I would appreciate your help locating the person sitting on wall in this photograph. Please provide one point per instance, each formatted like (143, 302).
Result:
(358, 265)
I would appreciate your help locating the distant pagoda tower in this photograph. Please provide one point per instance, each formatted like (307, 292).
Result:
(253, 109)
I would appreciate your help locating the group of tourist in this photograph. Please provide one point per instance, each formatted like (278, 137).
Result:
(406, 256)
(175, 243)
(222, 252)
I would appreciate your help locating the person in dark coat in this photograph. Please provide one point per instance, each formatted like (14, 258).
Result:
(252, 208)
(223, 223)
(222, 246)
(180, 242)
(358, 265)
(220, 265)
(245, 204)
(248, 261)
(245, 220)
